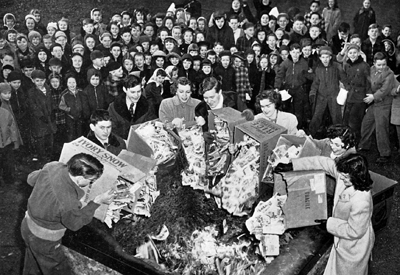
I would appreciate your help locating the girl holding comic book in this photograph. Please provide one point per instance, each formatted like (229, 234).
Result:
(350, 223)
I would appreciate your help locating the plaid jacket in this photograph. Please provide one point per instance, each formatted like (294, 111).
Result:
(242, 82)
(114, 87)
(56, 97)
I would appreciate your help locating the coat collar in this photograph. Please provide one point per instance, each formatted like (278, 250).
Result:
(112, 140)
(121, 108)
(190, 102)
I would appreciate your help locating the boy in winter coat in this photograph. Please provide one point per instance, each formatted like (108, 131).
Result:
(292, 75)
(325, 89)
(358, 73)
(377, 116)
(220, 31)
(96, 92)
(43, 125)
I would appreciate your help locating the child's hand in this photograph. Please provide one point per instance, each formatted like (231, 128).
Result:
(369, 98)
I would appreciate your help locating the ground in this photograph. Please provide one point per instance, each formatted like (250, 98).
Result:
(14, 196)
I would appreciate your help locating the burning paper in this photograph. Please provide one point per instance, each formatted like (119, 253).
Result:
(218, 154)
(268, 217)
(193, 144)
(240, 184)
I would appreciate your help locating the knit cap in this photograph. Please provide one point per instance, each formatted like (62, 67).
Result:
(96, 54)
(113, 65)
(14, 75)
(5, 87)
(38, 74)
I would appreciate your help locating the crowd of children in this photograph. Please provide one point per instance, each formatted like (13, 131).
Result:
(53, 79)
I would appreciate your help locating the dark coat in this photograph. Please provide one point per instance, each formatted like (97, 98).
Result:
(98, 97)
(227, 76)
(122, 119)
(77, 104)
(223, 35)
(115, 143)
(154, 96)
(358, 73)
(42, 110)
(362, 20)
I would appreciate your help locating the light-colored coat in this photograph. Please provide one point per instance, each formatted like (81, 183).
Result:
(350, 224)
(284, 119)
(171, 108)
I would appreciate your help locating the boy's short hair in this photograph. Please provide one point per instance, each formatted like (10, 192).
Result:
(85, 165)
(233, 16)
(38, 74)
(294, 46)
(299, 18)
(100, 115)
(316, 13)
(373, 26)
(125, 30)
(21, 36)
(27, 63)
(46, 36)
(248, 25)
(132, 81)
(315, 26)
(354, 36)
(55, 45)
(387, 26)
(344, 27)
(380, 56)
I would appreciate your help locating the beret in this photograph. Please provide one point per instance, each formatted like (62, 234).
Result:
(14, 75)
(96, 54)
(38, 74)
(113, 65)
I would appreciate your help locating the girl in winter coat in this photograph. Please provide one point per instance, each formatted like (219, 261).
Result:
(332, 16)
(350, 223)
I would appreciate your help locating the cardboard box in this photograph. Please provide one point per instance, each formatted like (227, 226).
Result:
(231, 116)
(382, 194)
(143, 163)
(264, 132)
(309, 147)
(306, 201)
(113, 167)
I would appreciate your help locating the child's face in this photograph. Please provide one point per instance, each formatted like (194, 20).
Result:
(380, 65)
(135, 32)
(193, 24)
(282, 22)
(169, 24)
(160, 62)
(30, 24)
(387, 31)
(212, 58)
(55, 69)
(47, 43)
(250, 58)
(153, 48)
(35, 41)
(39, 82)
(15, 84)
(114, 30)
(57, 52)
(6, 95)
(42, 56)
(55, 83)
(285, 42)
(12, 37)
(295, 54)
(88, 28)
(264, 20)
(257, 51)
(261, 36)
(373, 33)
(284, 55)
(249, 32)
(366, 4)
(163, 34)
(314, 20)
(279, 34)
(325, 58)
(314, 32)
(126, 19)
(176, 33)
(203, 51)
(126, 36)
(298, 25)
(188, 37)
(264, 63)
(356, 41)
(237, 62)
(186, 64)
(6, 72)
(95, 80)
(77, 61)
(159, 22)
(306, 51)
(63, 41)
(196, 65)
(201, 25)
(174, 60)
(273, 59)
(96, 16)
(218, 48)
(207, 69)
(272, 24)
(128, 65)
(271, 41)
(22, 44)
(220, 22)
(225, 61)
(2, 43)
(98, 62)
(147, 59)
(145, 46)
(10, 23)
(27, 71)
(90, 43)
(71, 83)
(63, 25)
(149, 31)
(51, 31)
(352, 54)
(314, 7)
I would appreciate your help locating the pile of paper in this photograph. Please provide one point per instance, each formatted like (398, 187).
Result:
(160, 141)
(218, 154)
(267, 223)
(193, 144)
(284, 154)
(239, 187)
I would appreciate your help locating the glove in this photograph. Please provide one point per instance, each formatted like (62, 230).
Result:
(208, 137)
(248, 114)
(43, 119)
(322, 224)
(283, 167)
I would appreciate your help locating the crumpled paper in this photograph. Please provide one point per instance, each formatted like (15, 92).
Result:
(155, 135)
(194, 146)
(218, 153)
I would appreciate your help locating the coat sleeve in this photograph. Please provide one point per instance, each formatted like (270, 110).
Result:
(385, 89)
(315, 84)
(316, 163)
(76, 218)
(359, 219)
(165, 112)
(280, 75)
(32, 177)
(34, 107)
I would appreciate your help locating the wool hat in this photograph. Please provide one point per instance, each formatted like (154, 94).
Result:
(38, 74)
(193, 47)
(113, 65)
(170, 38)
(30, 16)
(14, 75)
(52, 25)
(206, 62)
(225, 53)
(353, 46)
(5, 87)
(104, 34)
(239, 55)
(173, 54)
(87, 21)
(187, 57)
(8, 67)
(96, 54)
(325, 50)
(159, 53)
(77, 44)
(59, 34)
(33, 34)
(115, 44)
(144, 38)
(55, 62)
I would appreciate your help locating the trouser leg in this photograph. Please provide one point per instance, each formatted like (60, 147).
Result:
(334, 110)
(382, 119)
(320, 106)
(367, 128)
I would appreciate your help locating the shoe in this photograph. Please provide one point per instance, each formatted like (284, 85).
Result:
(382, 160)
